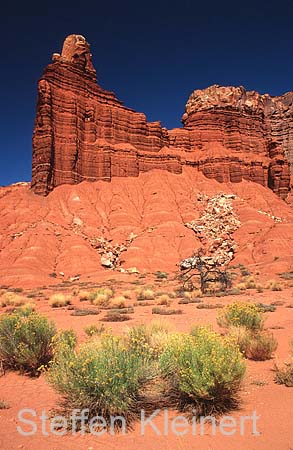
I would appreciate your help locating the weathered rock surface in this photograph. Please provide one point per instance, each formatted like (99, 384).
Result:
(83, 132)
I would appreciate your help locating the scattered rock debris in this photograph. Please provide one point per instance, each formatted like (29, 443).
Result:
(274, 218)
(110, 252)
(215, 228)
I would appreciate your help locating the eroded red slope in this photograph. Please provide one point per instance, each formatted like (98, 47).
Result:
(53, 234)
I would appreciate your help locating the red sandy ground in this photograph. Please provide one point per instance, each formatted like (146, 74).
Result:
(50, 242)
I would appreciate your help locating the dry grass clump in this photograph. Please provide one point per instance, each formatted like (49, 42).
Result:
(145, 294)
(193, 294)
(84, 295)
(118, 302)
(12, 299)
(101, 300)
(59, 300)
(258, 346)
(241, 286)
(250, 282)
(164, 300)
(101, 297)
(284, 375)
(274, 285)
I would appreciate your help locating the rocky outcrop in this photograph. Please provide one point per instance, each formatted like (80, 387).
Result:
(83, 132)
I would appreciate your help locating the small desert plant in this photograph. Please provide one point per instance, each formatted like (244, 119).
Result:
(241, 314)
(195, 294)
(18, 290)
(117, 302)
(274, 285)
(202, 371)
(84, 295)
(161, 275)
(266, 308)
(166, 312)
(85, 312)
(284, 375)
(250, 282)
(53, 275)
(258, 346)
(94, 330)
(127, 294)
(25, 341)
(4, 404)
(164, 300)
(59, 300)
(186, 301)
(241, 286)
(101, 296)
(286, 275)
(209, 306)
(12, 299)
(103, 376)
(145, 294)
(115, 316)
(101, 300)
(244, 271)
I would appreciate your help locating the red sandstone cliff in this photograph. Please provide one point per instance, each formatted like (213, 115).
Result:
(83, 132)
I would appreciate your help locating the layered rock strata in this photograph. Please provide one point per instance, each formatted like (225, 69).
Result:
(83, 132)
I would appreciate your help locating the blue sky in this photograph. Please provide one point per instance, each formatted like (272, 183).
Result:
(152, 55)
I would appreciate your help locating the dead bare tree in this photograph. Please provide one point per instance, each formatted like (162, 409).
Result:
(207, 269)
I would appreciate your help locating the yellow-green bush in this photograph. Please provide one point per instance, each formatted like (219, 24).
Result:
(241, 314)
(103, 376)
(25, 340)
(202, 370)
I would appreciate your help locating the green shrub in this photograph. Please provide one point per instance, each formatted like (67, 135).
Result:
(241, 314)
(203, 371)
(25, 341)
(102, 376)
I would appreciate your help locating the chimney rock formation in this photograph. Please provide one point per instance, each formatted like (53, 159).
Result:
(83, 132)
